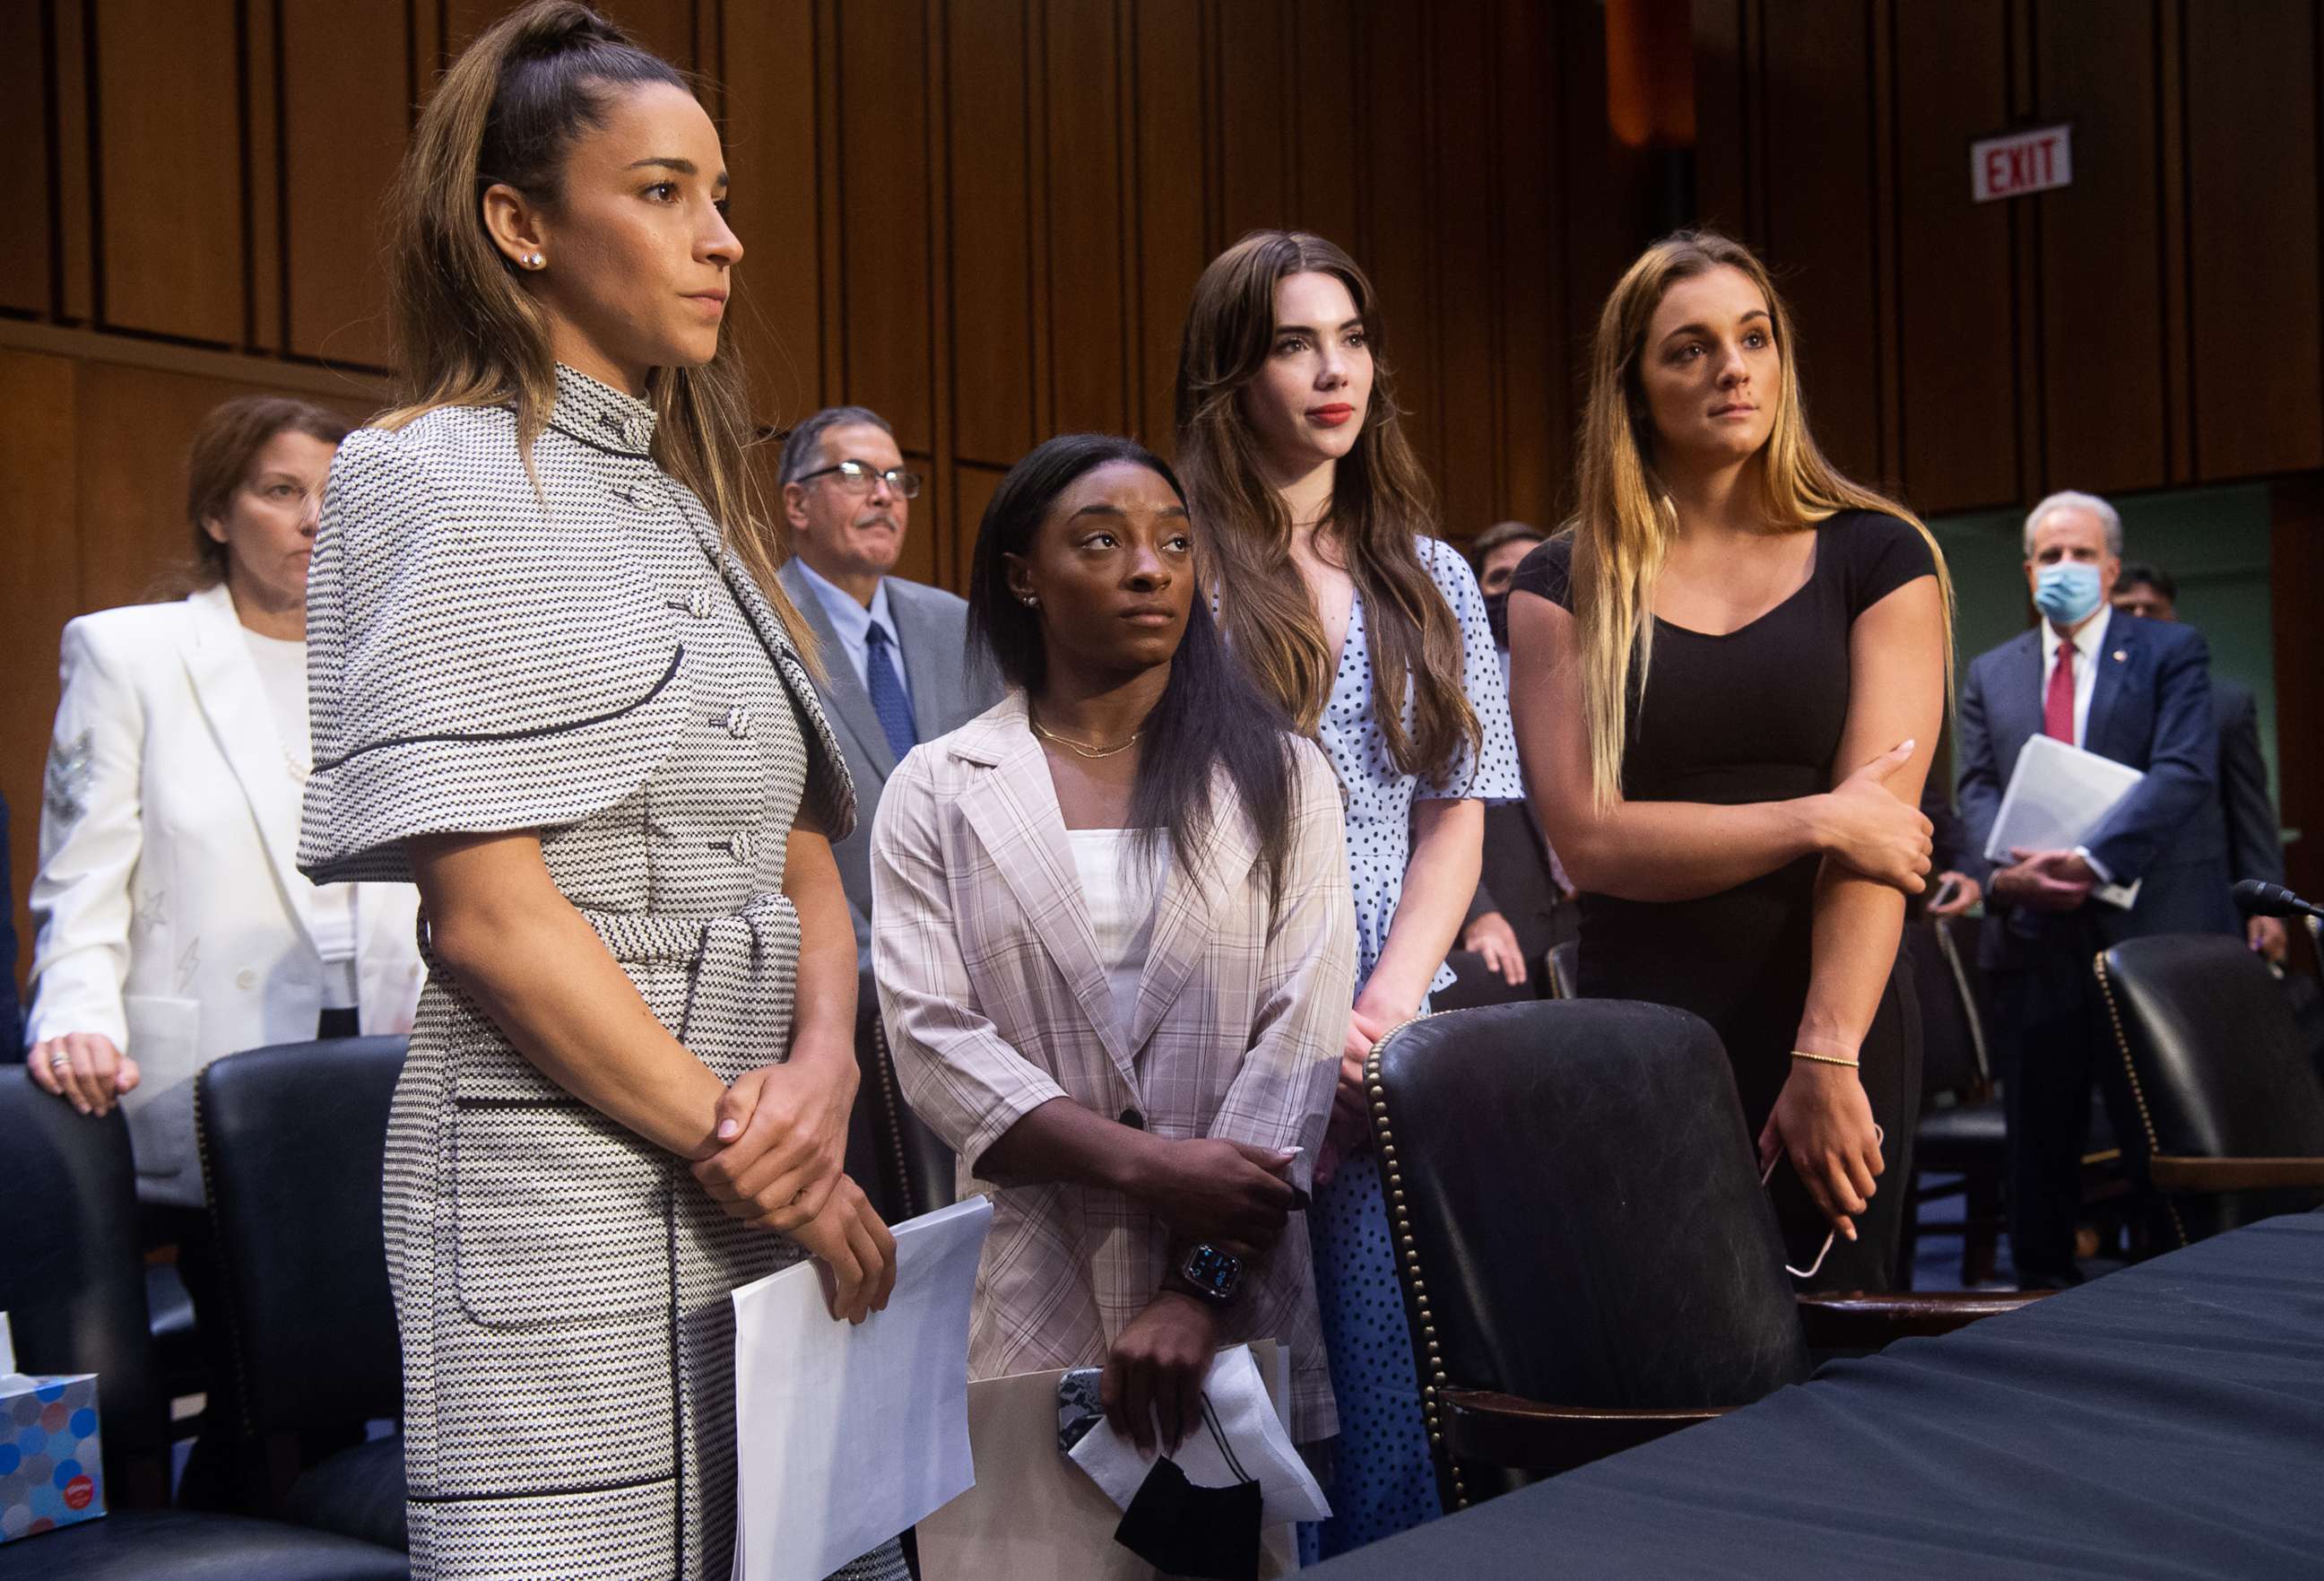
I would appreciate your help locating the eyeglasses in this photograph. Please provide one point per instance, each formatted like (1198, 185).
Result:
(856, 478)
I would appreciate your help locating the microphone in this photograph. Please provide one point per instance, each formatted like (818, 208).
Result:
(2256, 899)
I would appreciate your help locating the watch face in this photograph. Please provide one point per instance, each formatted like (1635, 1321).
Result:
(1209, 1270)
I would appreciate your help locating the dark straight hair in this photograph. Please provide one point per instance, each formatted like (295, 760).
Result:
(1211, 717)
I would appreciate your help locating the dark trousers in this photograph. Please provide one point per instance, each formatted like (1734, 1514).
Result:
(2052, 1032)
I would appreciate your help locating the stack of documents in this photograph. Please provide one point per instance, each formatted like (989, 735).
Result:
(848, 1435)
(2058, 796)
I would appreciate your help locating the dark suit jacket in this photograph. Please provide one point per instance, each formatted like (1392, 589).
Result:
(1516, 881)
(949, 688)
(2254, 842)
(2151, 709)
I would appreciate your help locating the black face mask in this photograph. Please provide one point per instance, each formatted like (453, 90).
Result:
(1497, 615)
(1182, 1529)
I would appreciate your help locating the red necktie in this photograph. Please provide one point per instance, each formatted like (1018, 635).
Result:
(2057, 708)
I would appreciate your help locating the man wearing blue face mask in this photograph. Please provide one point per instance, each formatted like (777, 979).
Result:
(2134, 690)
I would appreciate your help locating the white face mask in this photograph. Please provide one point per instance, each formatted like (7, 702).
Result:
(1880, 1138)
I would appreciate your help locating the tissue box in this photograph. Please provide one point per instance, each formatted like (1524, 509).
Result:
(51, 1466)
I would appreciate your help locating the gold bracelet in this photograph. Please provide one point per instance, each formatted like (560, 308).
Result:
(1823, 1058)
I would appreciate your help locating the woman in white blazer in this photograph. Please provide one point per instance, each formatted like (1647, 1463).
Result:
(173, 926)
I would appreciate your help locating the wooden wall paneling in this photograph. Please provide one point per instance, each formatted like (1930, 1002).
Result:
(1398, 247)
(2171, 204)
(2102, 303)
(771, 158)
(2026, 258)
(38, 564)
(1819, 227)
(27, 284)
(265, 298)
(989, 272)
(935, 501)
(1088, 363)
(667, 27)
(973, 487)
(1535, 437)
(1886, 386)
(346, 83)
(170, 198)
(1255, 117)
(2257, 296)
(1722, 91)
(75, 165)
(1599, 180)
(882, 49)
(1167, 50)
(1469, 148)
(831, 199)
(927, 549)
(1956, 315)
(1327, 122)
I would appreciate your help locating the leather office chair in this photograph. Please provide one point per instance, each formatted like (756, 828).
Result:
(1961, 1131)
(902, 1165)
(73, 1285)
(1566, 970)
(293, 1138)
(2230, 1121)
(1588, 1259)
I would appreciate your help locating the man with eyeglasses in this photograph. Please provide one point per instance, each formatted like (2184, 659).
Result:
(891, 649)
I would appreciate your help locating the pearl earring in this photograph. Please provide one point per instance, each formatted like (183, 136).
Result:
(1028, 600)
(535, 261)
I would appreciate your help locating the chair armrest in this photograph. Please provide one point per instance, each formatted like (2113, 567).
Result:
(2184, 1174)
(1866, 1321)
(1526, 1435)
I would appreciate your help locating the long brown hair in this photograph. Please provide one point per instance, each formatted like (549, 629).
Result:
(467, 334)
(1380, 499)
(1623, 529)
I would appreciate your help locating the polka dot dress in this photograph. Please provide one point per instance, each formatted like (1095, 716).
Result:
(1385, 1481)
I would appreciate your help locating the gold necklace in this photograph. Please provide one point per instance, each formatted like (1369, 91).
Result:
(1081, 749)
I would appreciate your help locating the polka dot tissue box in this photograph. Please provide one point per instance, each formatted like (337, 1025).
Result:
(51, 1466)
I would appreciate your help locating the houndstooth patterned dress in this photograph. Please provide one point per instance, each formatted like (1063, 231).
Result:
(591, 663)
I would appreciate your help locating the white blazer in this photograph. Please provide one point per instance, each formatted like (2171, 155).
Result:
(171, 916)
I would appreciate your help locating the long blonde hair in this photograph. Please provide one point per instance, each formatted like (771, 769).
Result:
(466, 334)
(1624, 525)
(1380, 498)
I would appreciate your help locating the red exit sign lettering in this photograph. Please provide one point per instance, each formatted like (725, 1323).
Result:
(2018, 163)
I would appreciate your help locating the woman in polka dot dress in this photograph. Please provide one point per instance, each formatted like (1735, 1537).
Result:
(1372, 634)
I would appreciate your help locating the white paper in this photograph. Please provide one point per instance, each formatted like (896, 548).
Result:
(846, 1436)
(2057, 795)
(1248, 1419)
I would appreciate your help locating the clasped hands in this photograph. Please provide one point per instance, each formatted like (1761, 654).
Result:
(776, 1160)
(2045, 880)
(1233, 1195)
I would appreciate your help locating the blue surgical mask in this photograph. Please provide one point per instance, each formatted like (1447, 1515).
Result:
(2067, 591)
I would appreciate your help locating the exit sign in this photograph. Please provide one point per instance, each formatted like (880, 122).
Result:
(2017, 163)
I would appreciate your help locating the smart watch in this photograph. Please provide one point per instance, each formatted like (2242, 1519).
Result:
(1210, 1274)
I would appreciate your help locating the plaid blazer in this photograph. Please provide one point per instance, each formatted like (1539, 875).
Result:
(996, 1003)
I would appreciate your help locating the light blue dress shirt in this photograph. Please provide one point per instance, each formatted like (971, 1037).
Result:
(852, 621)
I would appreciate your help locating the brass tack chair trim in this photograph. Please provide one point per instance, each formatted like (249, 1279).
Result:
(2137, 1093)
(1408, 1258)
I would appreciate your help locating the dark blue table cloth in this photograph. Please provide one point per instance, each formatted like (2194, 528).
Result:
(2167, 1421)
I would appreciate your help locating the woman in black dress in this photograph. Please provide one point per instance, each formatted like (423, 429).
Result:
(1728, 677)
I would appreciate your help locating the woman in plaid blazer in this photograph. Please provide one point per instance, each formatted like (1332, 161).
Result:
(1115, 952)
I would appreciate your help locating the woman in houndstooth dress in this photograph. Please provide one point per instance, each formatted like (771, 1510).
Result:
(547, 687)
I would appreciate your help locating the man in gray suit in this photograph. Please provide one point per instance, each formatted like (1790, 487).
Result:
(894, 673)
